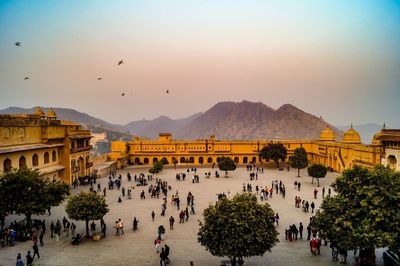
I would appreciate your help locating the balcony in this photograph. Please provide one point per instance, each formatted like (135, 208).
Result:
(74, 170)
(88, 165)
(84, 148)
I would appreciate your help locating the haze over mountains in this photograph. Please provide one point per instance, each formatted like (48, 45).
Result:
(225, 120)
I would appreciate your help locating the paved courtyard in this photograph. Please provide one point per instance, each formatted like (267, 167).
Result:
(136, 248)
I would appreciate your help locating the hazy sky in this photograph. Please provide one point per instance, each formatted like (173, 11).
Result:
(338, 59)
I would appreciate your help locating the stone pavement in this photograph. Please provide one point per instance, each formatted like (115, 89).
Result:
(136, 248)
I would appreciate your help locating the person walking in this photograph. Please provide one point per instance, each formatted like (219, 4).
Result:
(301, 230)
(315, 193)
(153, 214)
(52, 229)
(308, 232)
(167, 261)
(35, 250)
(171, 222)
(162, 258)
(19, 261)
(41, 238)
(312, 207)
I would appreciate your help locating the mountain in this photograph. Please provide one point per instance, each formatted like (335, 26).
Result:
(366, 131)
(151, 128)
(248, 120)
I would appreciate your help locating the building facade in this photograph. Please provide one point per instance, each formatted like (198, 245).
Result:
(338, 155)
(59, 149)
(389, 139)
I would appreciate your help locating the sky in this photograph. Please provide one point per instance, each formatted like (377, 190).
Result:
(335, 59)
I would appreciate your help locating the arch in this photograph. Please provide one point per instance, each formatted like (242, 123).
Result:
(81, 164)
(46, 157)
(191, 160)
(155, 159)
(53, 156)
(22, 162)
(254, 159)
(7, 166)
(392, 162)
(236, 159)
(245, 159)
(137, 161)
(35, 160)
(218, 159)
(209, 160)
(201, 160)
(182, 160)
(146, 160)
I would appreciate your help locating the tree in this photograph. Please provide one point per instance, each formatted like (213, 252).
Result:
(226, 164)
(174, 161)
(299, 160)
(274, 151)
(317, 171)
(164, 161)
(23, 191)
(86, 206)
(238, 228)
(362, 214)
(156, 168)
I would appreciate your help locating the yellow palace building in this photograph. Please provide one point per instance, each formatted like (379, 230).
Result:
(59, 149)
(336, 154)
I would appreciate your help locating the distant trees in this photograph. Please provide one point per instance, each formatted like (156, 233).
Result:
(299, 160)
(275, 152)
(24, 191)
(156, 168)
(164, 161)
(317, 171)
(237, 228)
(86, 206)
(362, 214)
(226, 164)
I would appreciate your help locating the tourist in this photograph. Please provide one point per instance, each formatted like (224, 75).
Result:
(171, 222)
(301, 230)
(312, 207)
(29, 259)
(323, 191)
(277, 219)
(41, 238)
(315, 193)
(19, 261)
(52, 229)
(167, 261)
(135, 224)
(329, 192)
(35, 251)
(121, 225)
(162, 257)
(153, 214)
(298, 186)
(157, 244)
(73, 228)
(103, 227)
(308, 232)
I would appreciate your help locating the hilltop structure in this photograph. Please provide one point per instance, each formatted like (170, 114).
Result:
(59, 149)
(327, 150)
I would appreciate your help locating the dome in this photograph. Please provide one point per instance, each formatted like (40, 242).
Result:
(51, 113)
(39, 111)
(351, 136)
(327, 135)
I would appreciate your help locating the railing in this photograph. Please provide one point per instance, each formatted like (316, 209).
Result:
(78, 149)
(88, 165)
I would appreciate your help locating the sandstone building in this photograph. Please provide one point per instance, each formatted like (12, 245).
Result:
(59, 149)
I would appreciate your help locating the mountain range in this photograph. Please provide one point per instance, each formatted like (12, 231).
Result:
(225, 120)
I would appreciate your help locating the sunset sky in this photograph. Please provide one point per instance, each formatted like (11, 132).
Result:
(338, 59)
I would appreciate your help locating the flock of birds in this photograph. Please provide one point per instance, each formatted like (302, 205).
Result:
(120, 62)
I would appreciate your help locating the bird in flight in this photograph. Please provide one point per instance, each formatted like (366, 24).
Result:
(167, 91)
(99, 78)
(18, 43)
(120, 62)
(123, 94)
(26, 78)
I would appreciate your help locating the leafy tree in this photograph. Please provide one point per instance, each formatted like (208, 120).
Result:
(156, 168)
(238, 228)
(299, 160)
(226, 164)
(362, 214)
(274, 151)
(86, 206)
(317, 171)
(174, 161)
(164, 161)
(23, 191)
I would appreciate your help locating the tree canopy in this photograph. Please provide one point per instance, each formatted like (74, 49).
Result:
(23, 191)
(86, 206)
(236, 228)
(363, 214)
(156, 168)
(299, 160)
(275, 152)
(226, 164)
(164, 161)
(317, 171)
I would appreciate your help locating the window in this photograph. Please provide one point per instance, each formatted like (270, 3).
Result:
(53, 156)
(72, 144)
(46, 157)
(7, 165)
(35, 160)
(22, 162)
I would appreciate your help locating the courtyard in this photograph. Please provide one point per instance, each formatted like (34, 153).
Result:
(137, 248)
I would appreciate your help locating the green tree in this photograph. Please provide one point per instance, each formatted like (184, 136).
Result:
(86, 206)
(317, 171)
(299, 160)
(23, 191)
(156, 168)
(164, 161)
(226, 164)
(362, 214)
(237, 228)
(275, 152)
